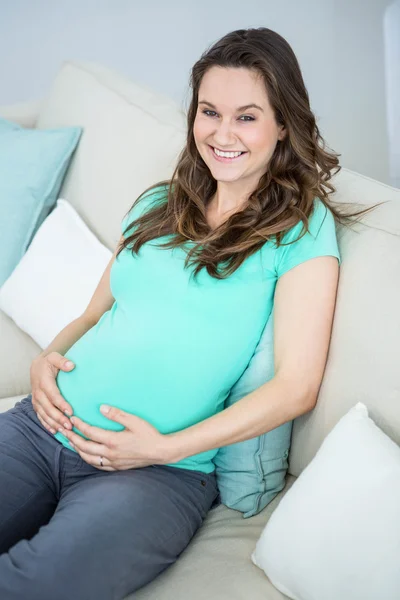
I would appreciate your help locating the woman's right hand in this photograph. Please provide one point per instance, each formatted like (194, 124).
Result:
(47, 401)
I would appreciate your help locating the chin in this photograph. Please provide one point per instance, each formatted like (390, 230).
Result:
(223, 178)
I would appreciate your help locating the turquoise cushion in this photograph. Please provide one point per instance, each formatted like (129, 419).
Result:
(251, 473)
(33, 163)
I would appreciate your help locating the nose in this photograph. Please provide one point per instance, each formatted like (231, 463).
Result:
(223, 135)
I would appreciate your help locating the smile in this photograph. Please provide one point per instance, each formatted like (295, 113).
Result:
(226, 157)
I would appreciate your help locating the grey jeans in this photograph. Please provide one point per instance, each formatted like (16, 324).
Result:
(71, 531)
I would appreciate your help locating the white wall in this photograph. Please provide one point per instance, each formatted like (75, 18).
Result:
(392, 73)
(339, 45)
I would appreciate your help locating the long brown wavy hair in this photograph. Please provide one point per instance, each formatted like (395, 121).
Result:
(298, 172)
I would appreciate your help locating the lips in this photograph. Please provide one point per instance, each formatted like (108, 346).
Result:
(224, 159)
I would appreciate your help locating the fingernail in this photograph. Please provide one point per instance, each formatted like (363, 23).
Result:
(61, 430)
(68, 413)
(72, 420)
(104, 408)
(53, 431)
(66, 425)
(69, 364)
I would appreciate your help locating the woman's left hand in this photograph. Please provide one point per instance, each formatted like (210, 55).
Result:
(138, 445)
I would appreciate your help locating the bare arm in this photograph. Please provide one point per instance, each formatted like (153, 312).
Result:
(68, 336)
(46, 398)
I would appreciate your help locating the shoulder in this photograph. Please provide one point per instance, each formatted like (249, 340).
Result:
(154, 196)
(299, 244)
(320, 222)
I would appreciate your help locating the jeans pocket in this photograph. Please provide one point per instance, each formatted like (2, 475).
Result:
(196, 479)
(207, 482)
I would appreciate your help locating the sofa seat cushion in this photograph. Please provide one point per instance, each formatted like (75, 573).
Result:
(217, 564)
(17, 350)
(7, 403)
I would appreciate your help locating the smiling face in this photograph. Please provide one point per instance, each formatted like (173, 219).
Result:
(234, 116)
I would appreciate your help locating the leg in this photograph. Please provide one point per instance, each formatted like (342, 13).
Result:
(112, 533)
(27, 491)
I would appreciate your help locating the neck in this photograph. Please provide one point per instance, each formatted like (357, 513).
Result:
(227, 199)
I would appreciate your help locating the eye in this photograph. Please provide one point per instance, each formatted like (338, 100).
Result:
(206, 111)
(243, 118)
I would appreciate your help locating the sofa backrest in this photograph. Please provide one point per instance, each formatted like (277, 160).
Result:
(364, 359)
(132, 138)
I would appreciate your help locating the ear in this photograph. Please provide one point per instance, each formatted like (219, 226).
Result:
(282, 133)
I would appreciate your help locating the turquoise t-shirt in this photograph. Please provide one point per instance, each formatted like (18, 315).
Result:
(172, 346)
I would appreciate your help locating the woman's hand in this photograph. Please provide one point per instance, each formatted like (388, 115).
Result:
(46, 398)
(138, 445)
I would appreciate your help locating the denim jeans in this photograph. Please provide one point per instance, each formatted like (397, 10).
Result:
(69, 530)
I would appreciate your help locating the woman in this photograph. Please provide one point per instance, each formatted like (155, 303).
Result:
(98, 503)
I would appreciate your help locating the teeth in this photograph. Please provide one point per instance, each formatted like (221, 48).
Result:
(227, 154)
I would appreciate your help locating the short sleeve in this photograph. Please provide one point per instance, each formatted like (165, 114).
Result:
(320, 240)
(145, 202)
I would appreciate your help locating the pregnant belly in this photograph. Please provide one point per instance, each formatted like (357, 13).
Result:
(155, 388)
(173, 377)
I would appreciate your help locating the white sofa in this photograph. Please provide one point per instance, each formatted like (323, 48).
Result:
(131, 139)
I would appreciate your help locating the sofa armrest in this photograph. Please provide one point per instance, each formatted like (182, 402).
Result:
(23, 113)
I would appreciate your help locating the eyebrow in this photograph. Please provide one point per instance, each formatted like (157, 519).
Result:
(240, 108)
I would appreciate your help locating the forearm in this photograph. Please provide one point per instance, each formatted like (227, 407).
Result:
(271, 405)
(68, 336)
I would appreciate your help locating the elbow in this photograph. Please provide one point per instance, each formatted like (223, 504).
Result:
(309, 399)
(305, 397)
(304, 404)
(309, 402)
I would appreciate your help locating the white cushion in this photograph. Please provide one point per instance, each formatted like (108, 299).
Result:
(336, 533)
(55, 280)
